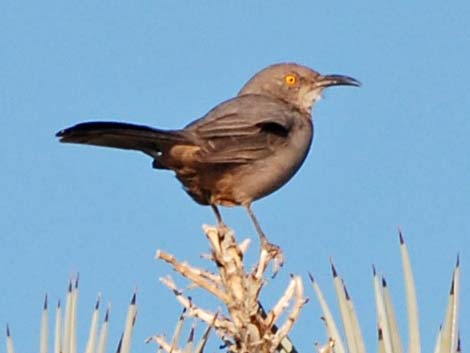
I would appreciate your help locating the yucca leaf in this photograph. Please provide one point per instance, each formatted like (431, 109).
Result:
(395, 339)
(356, 328)
(331, 327)
(382, 314)
(44, 332)
(129, 327)
(91, 343)
(414, 344)
(58, 329)
(344, 311)
(449, 331)
(67, 325)
(103, 339)
(10, 346)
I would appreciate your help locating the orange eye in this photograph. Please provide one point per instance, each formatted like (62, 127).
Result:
(290, 80)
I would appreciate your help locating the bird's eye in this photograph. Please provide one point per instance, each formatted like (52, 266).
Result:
(290, 80)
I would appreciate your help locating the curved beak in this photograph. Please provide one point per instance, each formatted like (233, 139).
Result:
(336, 80)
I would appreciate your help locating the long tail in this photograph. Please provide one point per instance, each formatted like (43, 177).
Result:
(121, 135)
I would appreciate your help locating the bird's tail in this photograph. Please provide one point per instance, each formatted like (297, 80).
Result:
(121, 135)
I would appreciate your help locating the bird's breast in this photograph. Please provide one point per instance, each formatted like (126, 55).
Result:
(233, 184)
(262, 177)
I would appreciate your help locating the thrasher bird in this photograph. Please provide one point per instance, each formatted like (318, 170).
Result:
(242, 150)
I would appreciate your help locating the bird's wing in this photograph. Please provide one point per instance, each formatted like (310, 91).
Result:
(244, 129)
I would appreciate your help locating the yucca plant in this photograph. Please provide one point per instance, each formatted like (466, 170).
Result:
(65, 326)
(389, 339)
(246, 327)
(243, 325)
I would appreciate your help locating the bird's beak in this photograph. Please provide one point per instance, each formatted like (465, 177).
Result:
(336, 80)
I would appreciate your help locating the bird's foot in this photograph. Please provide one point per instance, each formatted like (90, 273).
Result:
(276, 254)
(222, 229)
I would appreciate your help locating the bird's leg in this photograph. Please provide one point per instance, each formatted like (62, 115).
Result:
(217, 215)
(220, 223)
(274, 250)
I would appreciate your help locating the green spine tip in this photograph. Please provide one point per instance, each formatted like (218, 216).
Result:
(133, 298)
(191, 334)
(333, 269)
(400, 234)
(384, 282)
(346, 293)
(261, 311)
(118, 350)
(226, 344)
(311, 277)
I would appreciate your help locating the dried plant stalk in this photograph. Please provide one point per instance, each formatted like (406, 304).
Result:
(245, 328)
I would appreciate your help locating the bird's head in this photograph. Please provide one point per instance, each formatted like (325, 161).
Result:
(294, 83)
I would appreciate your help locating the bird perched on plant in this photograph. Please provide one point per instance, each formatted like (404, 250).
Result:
(242, 150)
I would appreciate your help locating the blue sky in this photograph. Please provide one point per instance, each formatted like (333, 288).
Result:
(394, 152)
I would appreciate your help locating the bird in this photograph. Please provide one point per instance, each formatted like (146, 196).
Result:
(243, 149)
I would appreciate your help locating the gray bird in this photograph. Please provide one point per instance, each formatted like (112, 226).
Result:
(242, 150)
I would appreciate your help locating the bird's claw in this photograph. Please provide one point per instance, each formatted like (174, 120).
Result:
(276, 254)
(222, 229)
